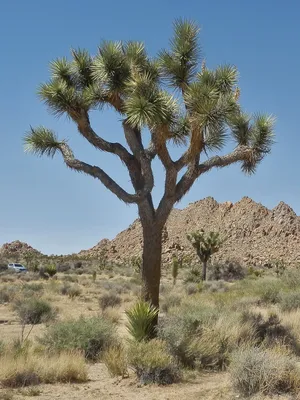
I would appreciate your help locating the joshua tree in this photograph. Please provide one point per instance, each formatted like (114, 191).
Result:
(170, 99)
(205, 245)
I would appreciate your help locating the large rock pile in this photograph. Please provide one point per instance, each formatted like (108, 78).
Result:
(254, 234)
(17, 250)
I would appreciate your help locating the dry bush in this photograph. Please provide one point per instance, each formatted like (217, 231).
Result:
(109, 300)
(34, 311)
(115, 359)
(71, 291)
(7, 294)
(111, 314)
(256, 370)
(230, 270)
(192, 288)
(152, 362)
(215, 286)
(34, 369)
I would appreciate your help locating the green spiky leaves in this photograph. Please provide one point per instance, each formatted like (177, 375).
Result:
(41, 141)
(179, 65)
(257, 133)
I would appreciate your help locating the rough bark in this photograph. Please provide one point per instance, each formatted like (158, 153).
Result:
(151, 267)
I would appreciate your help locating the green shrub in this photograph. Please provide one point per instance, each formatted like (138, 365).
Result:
(180, 328)
(90, 335)
(256, 370)
(227, 271)
(171, 300)
(50, 269)
(291, 278)
(193, 275)
(152, 362)
(290, 301)
(109, 300)
(141, 318)
(34, 311)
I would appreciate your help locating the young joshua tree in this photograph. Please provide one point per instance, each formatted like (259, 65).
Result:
(205, 245)
(172, 99)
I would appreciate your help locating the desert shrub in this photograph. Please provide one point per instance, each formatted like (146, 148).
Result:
(63, 267)
(71, 291)
(152, 362)
(192, 288)
(269, 330)
(78, 264)
(227, 271)
(70, 278)
(115, 359)
(289, 301)
(34, 311)
(112, 315)
(291, 278)
(265, 371)
(51, 269)
(268, 289)
(7, 294)
(211, 347)
(33, 287)
(215, 286)
(90, 335)
(35, 369)
(109, 300)
(178, 329)
(193, 275)
(171, 300)
(141, 318)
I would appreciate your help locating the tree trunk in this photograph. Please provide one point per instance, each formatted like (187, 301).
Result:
(151, 268)
(204, 270)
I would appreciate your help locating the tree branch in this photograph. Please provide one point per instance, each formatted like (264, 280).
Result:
(98, 173)
(241, 153)
(84, 127)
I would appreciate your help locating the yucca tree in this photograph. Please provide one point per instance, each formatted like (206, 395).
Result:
(175, 99)
(205, 244)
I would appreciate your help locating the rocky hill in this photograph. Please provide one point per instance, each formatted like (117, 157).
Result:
(17, 250)
(254, 234)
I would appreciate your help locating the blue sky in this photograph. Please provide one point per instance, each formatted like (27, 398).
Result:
(59, 211)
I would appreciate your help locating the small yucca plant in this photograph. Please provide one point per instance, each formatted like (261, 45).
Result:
(51, 269)
(141, 321)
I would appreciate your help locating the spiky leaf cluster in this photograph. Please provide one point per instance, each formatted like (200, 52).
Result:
(124, 77)
(41, 141)
(205, 244)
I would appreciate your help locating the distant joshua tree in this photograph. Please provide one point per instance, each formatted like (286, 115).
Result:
(205, 245)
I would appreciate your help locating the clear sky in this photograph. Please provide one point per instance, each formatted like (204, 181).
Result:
(59, 211)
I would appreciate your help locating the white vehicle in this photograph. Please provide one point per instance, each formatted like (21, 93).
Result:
(17, 267)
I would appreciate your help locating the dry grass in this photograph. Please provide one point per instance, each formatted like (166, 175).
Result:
(32, 369)
(115, 359)
(265, 371)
